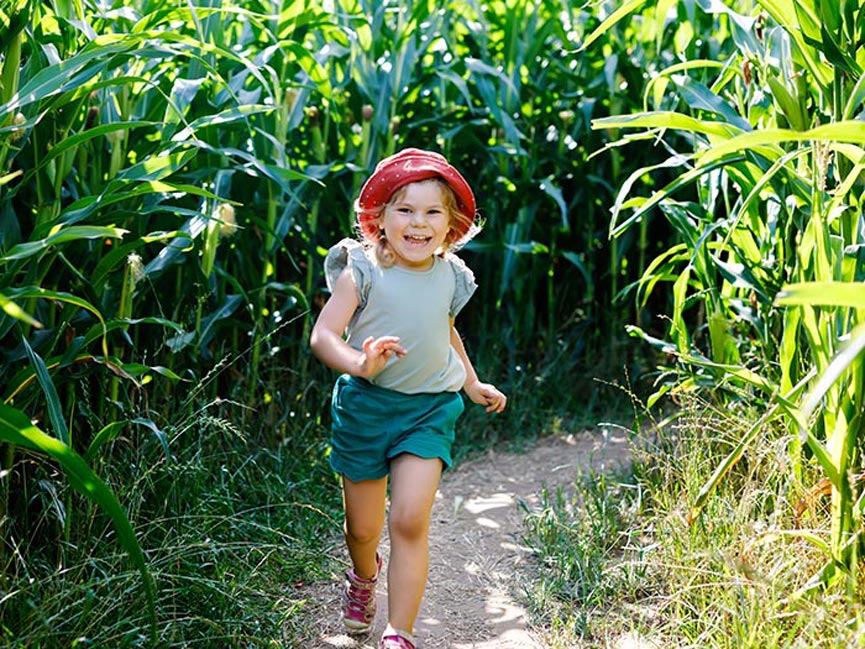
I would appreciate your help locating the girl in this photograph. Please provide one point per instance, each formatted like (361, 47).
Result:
(394, 296)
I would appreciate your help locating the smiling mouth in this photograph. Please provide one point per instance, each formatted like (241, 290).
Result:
(416, 239)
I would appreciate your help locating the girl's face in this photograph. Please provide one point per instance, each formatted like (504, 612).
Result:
(416, 224)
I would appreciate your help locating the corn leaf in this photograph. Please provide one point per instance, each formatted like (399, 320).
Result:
(848, 354)
(63, 235)
(838, 294)
(55, 410)
(62, 296)
(15, 311)
(671, 120)
(766, 139)
(620, 13)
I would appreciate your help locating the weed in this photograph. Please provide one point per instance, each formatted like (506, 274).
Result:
(617, 555)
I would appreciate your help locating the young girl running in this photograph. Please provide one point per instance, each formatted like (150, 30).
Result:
(388, 328)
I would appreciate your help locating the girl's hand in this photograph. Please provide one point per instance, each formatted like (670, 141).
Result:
(376, 353)
(487, 395)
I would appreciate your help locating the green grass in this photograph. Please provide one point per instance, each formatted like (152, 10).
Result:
(582, 544)
(227, 524)
(616, 554)
(235, 509)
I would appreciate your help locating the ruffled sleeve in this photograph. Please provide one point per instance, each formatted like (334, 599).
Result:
(349, 253)
(465, 283)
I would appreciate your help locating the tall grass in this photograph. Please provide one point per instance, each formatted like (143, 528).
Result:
(618, 562)
(229, 530)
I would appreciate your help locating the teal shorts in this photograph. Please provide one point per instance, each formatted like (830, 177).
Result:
(372, 425)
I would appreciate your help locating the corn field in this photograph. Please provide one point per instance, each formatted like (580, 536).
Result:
(771, 253)
(171, 174)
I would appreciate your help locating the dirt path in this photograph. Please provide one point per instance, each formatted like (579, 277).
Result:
(472, 600)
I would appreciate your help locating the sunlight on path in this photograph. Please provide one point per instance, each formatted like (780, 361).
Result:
(476, 556)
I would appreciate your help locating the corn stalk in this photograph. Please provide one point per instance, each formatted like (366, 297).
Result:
(771, 253)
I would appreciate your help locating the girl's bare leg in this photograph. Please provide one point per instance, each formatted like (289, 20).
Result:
(364, 504)
(414, 482)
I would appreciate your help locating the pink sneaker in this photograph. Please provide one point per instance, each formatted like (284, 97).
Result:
(396, 639)
(358, 600)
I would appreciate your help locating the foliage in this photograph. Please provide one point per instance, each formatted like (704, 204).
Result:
(231, 533)
(732, 579)
(577, 537)
(170, 177)
(765, 282)
(15, 429)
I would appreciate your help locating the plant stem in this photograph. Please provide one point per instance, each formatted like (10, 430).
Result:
(9, 83)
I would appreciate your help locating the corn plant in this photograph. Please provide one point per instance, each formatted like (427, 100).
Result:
(171, 175)
(766, 277)
(115, 132)
(478, 83)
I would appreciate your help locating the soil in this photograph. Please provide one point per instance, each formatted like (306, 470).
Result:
(473, 596)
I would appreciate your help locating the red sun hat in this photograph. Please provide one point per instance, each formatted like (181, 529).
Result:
(409, 166)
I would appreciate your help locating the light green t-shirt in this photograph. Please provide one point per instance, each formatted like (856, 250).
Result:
(416, 306)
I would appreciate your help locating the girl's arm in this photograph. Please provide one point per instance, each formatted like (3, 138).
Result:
(481, 393)
(327, 341)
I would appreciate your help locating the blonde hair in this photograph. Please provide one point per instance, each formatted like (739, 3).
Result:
(457, 222)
